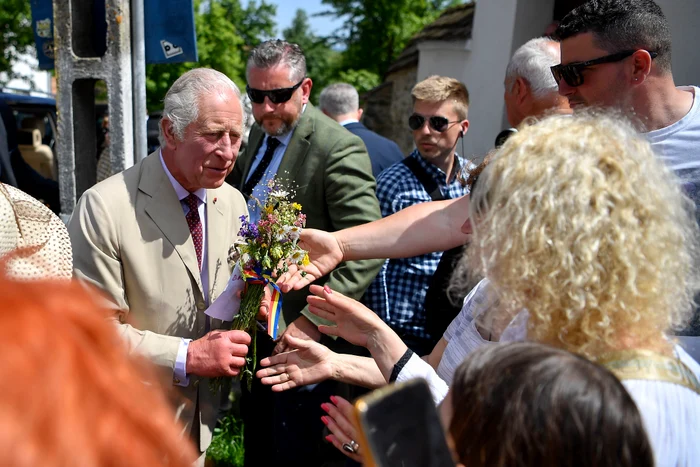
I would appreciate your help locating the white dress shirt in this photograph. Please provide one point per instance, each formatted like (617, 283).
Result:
(180, 373)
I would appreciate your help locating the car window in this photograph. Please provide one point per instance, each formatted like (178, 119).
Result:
(37, 119)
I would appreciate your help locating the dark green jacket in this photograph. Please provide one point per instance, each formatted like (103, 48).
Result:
(332, 174)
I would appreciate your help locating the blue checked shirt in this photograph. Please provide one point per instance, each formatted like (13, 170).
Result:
(398, 292)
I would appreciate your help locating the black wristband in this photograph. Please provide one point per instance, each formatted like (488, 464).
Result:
(400, 364)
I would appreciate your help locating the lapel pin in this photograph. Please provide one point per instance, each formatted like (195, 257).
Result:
(215, 199)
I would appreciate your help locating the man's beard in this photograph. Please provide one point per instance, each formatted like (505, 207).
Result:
(285, 126)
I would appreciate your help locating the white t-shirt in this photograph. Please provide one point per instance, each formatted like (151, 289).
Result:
(678, 145)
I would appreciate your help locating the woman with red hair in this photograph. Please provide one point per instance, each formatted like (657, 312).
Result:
(71, 395)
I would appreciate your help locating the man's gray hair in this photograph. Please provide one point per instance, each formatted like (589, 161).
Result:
(339, 99)
(181, 103)
(532, 62)
(278, 52)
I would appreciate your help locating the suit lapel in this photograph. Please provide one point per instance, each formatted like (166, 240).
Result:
(166, 212)
(216, 242)
(299, 145)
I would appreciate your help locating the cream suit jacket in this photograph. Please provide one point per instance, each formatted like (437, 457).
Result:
(130, 238)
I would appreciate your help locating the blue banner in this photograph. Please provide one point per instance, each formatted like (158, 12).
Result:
(170, 32)
(42, 25)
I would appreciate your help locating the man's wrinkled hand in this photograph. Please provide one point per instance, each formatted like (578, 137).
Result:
(218, 353)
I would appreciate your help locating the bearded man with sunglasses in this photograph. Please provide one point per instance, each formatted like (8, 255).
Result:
(617, 54)
(431, 172)
(330, 172)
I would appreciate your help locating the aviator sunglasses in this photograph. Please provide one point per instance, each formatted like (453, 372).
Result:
(572, 73)
(436, 122)
(276, 96)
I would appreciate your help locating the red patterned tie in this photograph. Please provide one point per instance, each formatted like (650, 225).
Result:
(195, 225)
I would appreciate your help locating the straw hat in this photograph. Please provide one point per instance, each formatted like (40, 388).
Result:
(34, 242)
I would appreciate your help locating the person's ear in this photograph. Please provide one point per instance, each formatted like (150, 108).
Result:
(306, 90)
(521, 89)
(171, 139)
(464, 127)
(642, 63)
(359, 114)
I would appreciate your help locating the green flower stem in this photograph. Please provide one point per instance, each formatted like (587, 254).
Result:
(246, 320)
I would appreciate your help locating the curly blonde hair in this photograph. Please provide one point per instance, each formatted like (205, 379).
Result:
(582, 225)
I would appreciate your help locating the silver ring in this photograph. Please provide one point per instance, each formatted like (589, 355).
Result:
(348, 448)
(352, 447)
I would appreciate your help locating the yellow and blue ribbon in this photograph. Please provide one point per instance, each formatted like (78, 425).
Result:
(256, 276)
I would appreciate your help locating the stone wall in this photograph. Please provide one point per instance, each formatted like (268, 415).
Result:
(387, 107)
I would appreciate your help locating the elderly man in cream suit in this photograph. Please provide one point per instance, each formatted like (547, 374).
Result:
(155, 239)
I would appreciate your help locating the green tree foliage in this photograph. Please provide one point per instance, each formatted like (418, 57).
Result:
(321, 60)
(16, 35)
(226, 31)
(374, 32)
(363, 80)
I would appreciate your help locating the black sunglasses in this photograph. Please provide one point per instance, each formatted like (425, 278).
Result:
(572, 73)
(436, 122)
(276, 96)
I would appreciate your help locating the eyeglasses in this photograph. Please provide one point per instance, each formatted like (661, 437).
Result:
(572, 73)
(436, 122)
(276, 96)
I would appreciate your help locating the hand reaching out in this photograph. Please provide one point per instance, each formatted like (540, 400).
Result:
(308, 363)
(354, 322)
(325, 253)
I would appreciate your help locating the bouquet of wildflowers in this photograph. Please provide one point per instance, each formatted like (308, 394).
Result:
(269, 246)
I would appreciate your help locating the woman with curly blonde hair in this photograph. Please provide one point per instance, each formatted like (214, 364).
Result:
(581, 225)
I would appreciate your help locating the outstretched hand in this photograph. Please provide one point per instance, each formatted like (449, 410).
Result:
(308, 363)
(354, 322)
(325, 253)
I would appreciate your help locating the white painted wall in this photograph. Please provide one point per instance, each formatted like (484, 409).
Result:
(442, 58)
(684, 18)
(500, 27)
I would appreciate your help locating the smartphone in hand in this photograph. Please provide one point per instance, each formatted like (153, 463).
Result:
(401, 428)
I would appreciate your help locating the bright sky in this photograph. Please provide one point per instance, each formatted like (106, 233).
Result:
(320, 26)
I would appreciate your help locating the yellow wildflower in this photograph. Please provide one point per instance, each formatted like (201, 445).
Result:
(305, 261)
(296, 206)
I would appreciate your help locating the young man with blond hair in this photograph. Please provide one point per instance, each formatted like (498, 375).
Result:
(431, 172)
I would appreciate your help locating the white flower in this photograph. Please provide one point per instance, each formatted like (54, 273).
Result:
(297, 256)
(281, 194)
(293, 232)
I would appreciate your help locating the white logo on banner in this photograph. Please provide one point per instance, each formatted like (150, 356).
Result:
(170, 50)
(44, 29)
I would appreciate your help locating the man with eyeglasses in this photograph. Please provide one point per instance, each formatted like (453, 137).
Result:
(330, 172)
(617, 53)
(431, 172)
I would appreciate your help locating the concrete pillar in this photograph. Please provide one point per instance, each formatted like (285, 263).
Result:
(78, 66)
